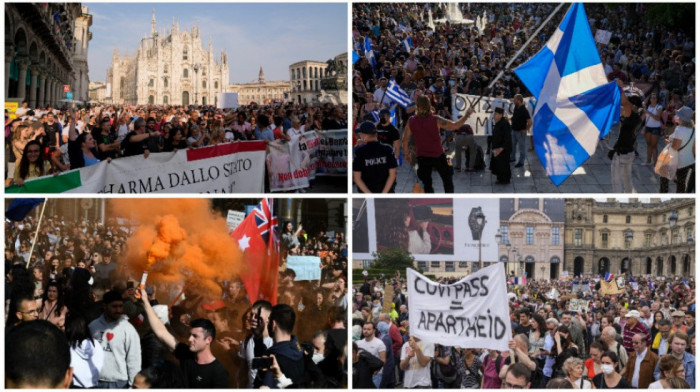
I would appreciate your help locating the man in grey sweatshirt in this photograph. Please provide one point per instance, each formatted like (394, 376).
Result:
(120, 342)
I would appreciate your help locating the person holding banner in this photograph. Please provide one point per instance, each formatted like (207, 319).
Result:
(500, 147)
(425, 128)
(415, 362)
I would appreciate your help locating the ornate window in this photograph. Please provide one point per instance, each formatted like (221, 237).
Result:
(578, 237)
(529, 235)
(555, 235)
(604, 240)
(185, 73)
(184, 54)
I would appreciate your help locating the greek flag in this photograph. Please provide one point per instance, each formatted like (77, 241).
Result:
(407, 44)
(576, 105)
(396, 94)
(392, 116)
(355, 57)
(369, 53)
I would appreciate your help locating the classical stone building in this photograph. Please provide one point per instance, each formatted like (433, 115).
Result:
(308, 78)
(261, 92)
(169, 67)
(531, 237)
(97, 91)
(655, 237)
(46, 47)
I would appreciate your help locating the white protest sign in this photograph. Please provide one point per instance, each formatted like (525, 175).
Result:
(603, 36)
(305, 267)
(480, 121)
(227, 100)
(234, 218)
(472, 313)
(577, 305)
(225, 168)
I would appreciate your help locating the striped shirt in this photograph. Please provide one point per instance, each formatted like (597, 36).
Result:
(628, 333)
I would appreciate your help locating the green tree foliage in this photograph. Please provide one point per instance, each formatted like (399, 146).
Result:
(393, 259)
(675, 16)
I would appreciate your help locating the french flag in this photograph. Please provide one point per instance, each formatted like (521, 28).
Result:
(609, 276)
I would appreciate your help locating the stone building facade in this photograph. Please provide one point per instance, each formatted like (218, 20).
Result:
(261, 92)
(46, 47)
(97, 91)
(531, 242)
(169, 67)
(634, 237)
(308, 79)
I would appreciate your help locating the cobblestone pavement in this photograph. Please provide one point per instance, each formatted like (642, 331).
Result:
(592, 177)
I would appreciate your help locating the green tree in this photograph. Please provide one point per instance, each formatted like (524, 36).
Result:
(393, 259)
(676, 16)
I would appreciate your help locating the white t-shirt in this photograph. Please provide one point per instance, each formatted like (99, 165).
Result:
(417, 375)
(650, 122)
(656, 385)
(374, 347)
(685, 156)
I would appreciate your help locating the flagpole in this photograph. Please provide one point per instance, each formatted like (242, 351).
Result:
(36, 234)
(517, 54)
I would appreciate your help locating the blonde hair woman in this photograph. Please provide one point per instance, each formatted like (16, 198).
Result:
(573, 370)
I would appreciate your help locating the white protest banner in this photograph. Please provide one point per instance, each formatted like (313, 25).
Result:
(603, 36)
(577, 305)
(580, 287)
(225, 168)
(472, 313)
(305, 267)
(234, 218)
(285, 170)
(292, 164)
(332, 154)
(480, 120)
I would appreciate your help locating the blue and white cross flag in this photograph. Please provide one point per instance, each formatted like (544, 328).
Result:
(407, 44)
(392, 116)
(369, 53)
(576, 105)
(396, 94)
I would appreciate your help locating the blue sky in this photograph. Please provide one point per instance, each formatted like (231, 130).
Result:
(270, 35)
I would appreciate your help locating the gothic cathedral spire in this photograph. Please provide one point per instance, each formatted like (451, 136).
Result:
(153, 23)
(261, 76)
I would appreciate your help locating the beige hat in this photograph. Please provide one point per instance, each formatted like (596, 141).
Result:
(633, 313)
(678, 313)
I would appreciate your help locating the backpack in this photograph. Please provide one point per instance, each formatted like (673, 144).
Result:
(447, 373)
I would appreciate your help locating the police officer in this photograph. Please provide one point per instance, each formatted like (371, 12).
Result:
(374, 164)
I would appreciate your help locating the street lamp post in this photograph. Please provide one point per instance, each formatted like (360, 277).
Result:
(629, 237)
(480, 223)
(672, 222)
(506, 243)
(196, 87)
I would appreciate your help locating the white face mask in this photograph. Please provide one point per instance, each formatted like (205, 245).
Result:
(607, 368)
(317, 357)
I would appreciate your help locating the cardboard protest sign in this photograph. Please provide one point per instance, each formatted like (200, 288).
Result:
(577, 305)
(388, 298)
(471, 313)
(609, 288)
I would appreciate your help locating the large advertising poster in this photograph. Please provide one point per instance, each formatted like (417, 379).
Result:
(430, 229)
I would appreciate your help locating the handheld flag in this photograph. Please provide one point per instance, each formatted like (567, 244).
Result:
(685, 283)
(20, 208)
(608, 276)
(369, 53)
(396, 94)
(651, 285)
(407, 44)
(634, 284)
(355, 57)
(392, 115)
(257, 238)
(576, 105)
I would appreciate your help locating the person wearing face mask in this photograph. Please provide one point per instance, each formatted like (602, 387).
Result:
(287, 368)
(387, 380)
(374, 164)
(609, 378)
(387, 133)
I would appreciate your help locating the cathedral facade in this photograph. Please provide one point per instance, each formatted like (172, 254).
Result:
(169, 68)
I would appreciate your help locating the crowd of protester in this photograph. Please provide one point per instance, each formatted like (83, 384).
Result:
(77, 318)
(654, 61)
(70, 139)
(643, 337)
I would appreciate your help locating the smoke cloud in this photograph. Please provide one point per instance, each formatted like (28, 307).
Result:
(178, 241)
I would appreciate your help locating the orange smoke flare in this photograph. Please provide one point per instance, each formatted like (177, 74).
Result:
(178, 241)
